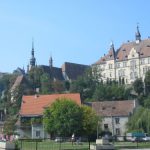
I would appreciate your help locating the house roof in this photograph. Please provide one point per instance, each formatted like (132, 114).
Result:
(54, 72)
(34, 105)
(114, 108)
(18, 81)
(73, 70)
(143, 48)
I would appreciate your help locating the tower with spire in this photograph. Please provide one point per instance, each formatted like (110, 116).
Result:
(51, 62)
(32, 60)
(137, 35)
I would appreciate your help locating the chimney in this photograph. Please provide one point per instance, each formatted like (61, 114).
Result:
(37, 93)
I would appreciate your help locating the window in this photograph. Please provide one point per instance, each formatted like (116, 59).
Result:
(103, 108)
(124, 64)
(118, 65)
(148, 60)
(37, 133)
(117, 120)
(131, 75)
(117, 131)
(105, 126)
(133, 64)
(110, 75)
(121, 73)
(110, 66)
(104, 75)
(142, 61)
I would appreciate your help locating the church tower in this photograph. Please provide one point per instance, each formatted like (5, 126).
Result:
(51, 62)
(138, 35)
(32, 60)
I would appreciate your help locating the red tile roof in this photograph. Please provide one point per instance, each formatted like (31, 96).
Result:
(114, 108)
(34, 105)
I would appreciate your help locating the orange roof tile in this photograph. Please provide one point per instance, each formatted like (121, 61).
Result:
(34, 105)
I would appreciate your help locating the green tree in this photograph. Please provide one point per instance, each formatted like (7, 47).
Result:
(63, 114)
(86, 84)
(90, 121)
(147, 82)
(46, 84)
(58, 86)
(111, 92)
(34, 77)
(140, 120)
(138, 86)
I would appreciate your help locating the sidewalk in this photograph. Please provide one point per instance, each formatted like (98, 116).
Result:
(136, 149)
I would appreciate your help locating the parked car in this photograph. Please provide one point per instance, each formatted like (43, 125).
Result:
(137, 139)
(146, 139)
(58, 139)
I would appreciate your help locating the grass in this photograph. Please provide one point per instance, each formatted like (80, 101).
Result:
(51, 145)
(130, 145)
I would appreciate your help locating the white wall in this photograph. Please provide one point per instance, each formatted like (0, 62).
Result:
(112, 124)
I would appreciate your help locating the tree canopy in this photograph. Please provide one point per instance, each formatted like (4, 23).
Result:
(140, 120)
(90, 120)
(63, 118)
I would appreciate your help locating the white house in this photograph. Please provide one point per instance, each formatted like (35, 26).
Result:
(115, 114)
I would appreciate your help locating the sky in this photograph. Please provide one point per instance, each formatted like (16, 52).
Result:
(77, 31)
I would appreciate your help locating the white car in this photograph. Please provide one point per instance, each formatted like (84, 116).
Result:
(147, 138)
(58, 139)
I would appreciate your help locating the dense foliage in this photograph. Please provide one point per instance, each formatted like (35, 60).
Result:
(65, 117)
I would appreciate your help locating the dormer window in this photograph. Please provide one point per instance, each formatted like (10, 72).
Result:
(113, 107)
(103, 108)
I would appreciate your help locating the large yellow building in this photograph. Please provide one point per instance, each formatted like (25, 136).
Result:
(129, 62)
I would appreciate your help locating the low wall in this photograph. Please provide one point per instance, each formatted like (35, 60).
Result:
(7, 145)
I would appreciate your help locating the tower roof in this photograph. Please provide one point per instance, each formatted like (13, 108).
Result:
(137, 34)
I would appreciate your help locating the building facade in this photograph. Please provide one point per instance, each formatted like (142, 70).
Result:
(115, 115)
(129, 62)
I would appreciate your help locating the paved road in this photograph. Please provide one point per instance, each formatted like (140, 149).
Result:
(137, 149)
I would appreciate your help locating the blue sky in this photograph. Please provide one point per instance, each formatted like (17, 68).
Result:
(78, 31)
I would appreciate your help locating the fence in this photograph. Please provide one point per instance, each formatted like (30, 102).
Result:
(129, 142)
(53, 144)
(59, 143)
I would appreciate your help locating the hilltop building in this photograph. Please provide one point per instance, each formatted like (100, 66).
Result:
(68, 72)
(129, 62)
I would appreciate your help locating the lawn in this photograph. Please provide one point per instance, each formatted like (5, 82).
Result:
(51, 145)
(119, 145)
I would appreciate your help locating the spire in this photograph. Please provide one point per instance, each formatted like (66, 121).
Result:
(32, 60)
(137, 35)
(32, 53)
(51, 62)
(112, 50)
(111, 45)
